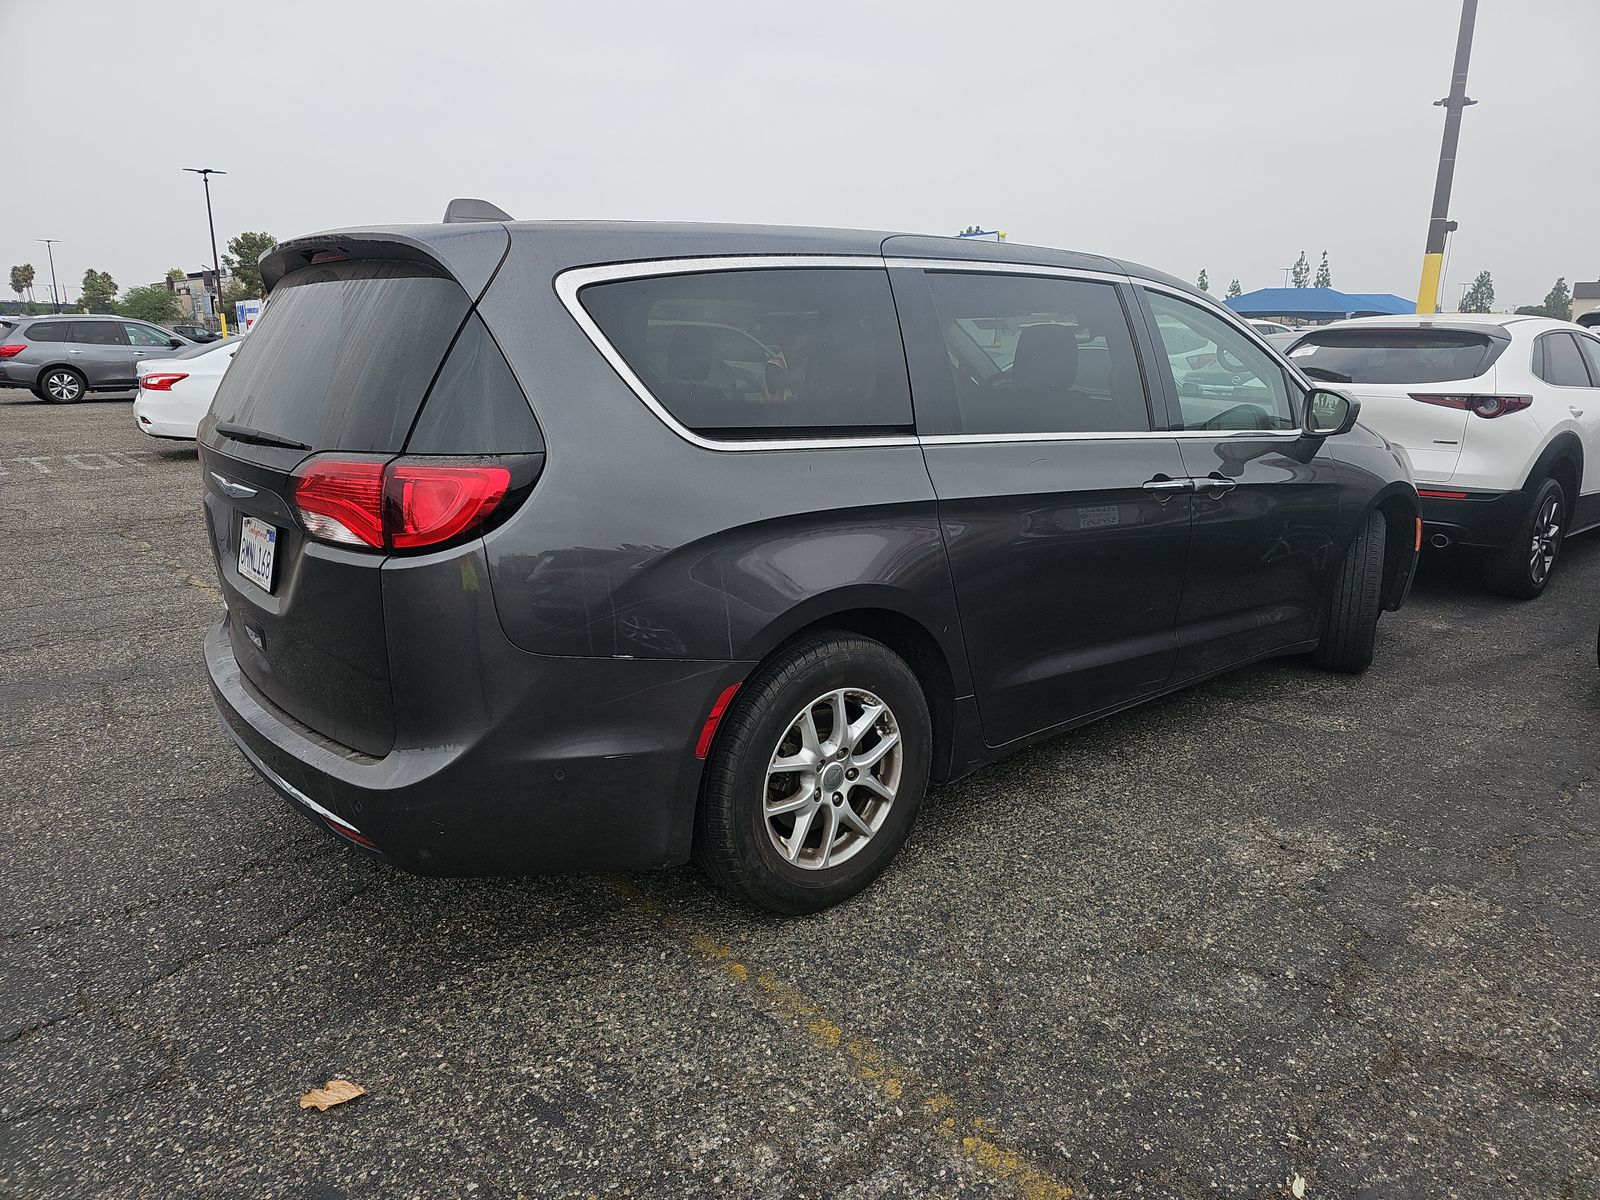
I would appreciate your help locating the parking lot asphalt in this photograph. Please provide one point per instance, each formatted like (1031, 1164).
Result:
(1283, 931)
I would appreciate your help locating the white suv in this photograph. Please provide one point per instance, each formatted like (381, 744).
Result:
(1501, 418)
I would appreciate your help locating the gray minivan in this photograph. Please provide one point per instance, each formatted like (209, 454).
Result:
(62, 358)
(576, 546)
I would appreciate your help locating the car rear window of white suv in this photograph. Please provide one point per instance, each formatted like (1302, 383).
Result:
(1394, 355)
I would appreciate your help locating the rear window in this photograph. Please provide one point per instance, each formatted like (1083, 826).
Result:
(343, 355)
(747, 354)
(1562, 363)
(1394, 355)
(46, 331)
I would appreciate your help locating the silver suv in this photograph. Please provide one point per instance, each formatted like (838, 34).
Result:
(61, 358)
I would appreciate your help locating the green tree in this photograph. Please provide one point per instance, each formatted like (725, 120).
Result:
(1324, 275)
(155, 303)
(243, 260)
(99, 293)
(1558, 301)
(1234, 289)
(1300, 273)
(176, 275)
(22, 280)
(1203, 283)
(1479, 298)
(233, 291)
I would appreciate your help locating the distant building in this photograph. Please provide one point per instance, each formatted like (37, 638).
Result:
(193, 291)
(1585, 298)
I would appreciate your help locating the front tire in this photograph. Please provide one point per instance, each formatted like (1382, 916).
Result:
(1523, 569)
(1350, 618)
(816, 776)
(61, 385)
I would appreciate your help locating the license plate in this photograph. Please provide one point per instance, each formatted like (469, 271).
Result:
(258, 542)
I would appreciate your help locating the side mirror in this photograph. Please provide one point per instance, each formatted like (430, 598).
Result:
(175, 343)
(776, 379)
(1329, 413)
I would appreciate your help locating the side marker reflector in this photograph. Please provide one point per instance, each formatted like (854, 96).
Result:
(709, 729)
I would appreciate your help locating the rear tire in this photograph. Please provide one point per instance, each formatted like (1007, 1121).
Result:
(851, 800)
(1350, 618)
(61, 385)
(1523, 569)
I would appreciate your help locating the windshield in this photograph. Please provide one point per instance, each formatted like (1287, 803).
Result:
(1395, 355)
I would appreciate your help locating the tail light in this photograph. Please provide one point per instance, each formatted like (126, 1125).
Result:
(403, 504)
(1484, 406)
(161, 381)
(12, 349)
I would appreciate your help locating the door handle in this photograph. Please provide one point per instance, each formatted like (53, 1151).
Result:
(1215, 486)
(1162, 486)
(1577, 412)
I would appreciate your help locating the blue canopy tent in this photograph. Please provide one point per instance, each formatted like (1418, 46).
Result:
(1317, 304)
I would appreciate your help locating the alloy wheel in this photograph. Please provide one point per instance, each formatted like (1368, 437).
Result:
(63, 386)
(832, 778)
(1546, 540)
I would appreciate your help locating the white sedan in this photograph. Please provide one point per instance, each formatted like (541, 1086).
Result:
(174, 393)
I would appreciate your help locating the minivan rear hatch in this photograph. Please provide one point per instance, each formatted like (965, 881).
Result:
(1383, 366)
(341, 360)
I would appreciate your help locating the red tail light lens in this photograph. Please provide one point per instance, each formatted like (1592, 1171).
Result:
(1483, 406)
(431, 503)
(341, 500)
(400, 505)
(161, 381)
(12, 349)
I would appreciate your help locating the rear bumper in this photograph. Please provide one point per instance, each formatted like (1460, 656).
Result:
(1470, 518)
(588, 766)
(166, 420)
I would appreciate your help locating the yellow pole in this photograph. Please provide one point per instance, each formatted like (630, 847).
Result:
(223, 317)
(1439, 221)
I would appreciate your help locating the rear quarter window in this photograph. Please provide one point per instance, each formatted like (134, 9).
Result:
(762, 353)
(46, 331)
(1395, 355)
(343, 355)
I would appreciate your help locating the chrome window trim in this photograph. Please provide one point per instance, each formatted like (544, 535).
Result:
(570, 282)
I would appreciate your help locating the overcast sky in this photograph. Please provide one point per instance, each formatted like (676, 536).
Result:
(1228, 134)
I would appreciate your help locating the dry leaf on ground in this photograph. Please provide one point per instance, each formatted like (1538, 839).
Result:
(335, 1091)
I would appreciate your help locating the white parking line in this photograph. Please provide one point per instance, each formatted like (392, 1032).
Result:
(109, 460)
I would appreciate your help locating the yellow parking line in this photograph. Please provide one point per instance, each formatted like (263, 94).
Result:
(869, 1063)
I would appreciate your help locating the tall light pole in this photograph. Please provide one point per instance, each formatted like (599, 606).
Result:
(1439, 221)
(49, 248)
(205, 174)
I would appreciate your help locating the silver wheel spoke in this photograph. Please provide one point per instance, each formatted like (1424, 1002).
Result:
(806, 760)
(802, 826)
(871, 758)
(873, 784)
(852, 818)
(864, 722)
(792, 804)
(830, 830)
(808, 733)
(841, 723)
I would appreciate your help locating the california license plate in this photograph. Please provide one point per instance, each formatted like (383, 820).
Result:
(258, 542)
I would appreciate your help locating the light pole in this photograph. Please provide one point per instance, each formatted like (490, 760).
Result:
(205, 174)
(1453, 104)
(49, 248)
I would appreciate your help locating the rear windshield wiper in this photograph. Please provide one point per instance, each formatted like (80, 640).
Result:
(243, 433)
(1323, 373)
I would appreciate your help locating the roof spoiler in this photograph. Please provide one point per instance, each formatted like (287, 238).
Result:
(473, 210)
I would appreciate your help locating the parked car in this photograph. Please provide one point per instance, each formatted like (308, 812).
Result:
(198, 334)
(508, 591)
(1265, 328)
(1500, 416)
(175, 392)
(63, 358)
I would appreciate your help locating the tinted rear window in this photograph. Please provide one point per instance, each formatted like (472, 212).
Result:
(343, 355)
(1563, 362)
(46, 331)
(1395, 355)
(744, 354)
